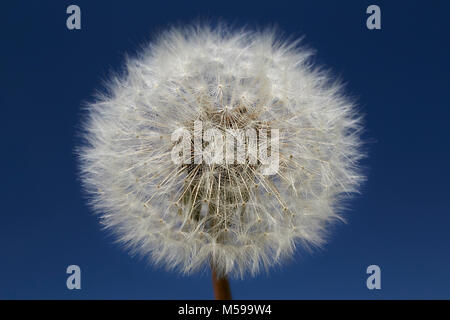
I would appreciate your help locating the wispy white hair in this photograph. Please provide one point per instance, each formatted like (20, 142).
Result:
(230, 215)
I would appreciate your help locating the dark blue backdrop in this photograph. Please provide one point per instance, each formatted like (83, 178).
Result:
(400, 76)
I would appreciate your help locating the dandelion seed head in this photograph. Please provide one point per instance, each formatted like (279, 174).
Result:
(233, 215)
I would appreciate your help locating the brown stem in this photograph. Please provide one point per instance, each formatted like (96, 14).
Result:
(221, 286)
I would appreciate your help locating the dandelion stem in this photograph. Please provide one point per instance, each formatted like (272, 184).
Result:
(221, 286)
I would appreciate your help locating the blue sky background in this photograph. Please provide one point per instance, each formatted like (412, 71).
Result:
(400, 76)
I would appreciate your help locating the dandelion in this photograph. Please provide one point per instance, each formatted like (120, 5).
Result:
(233, 215)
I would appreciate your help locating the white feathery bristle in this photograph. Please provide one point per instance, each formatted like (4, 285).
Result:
(231, 215)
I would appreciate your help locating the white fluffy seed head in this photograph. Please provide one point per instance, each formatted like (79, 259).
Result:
(230, 215)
